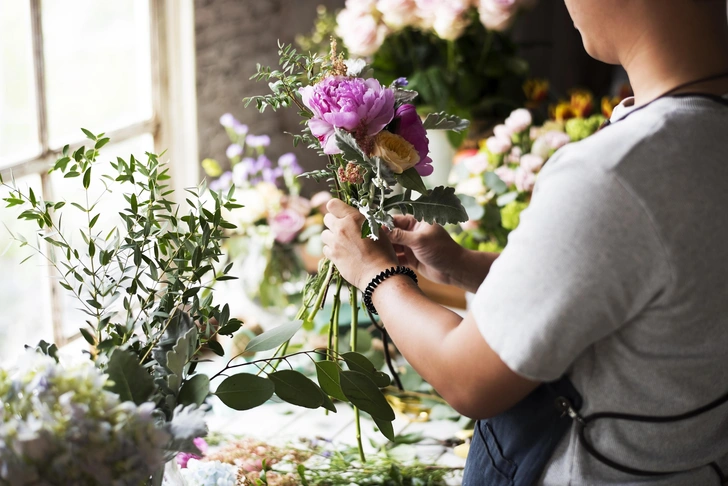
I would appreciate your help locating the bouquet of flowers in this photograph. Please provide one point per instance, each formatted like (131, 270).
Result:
(275, 221)
(62, 425)
(495, 183)
(456, 54)
(376, 149)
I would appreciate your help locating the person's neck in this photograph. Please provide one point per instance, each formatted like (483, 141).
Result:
(657, 65)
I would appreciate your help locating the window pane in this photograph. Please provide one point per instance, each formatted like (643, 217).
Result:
(24, 289)
(18, 117)
(98, 65)
(109, 205)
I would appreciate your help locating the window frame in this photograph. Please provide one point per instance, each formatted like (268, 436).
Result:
(173, 123)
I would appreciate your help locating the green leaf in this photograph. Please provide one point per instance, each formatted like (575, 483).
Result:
(88, 134)
(131, 381)
(495, 183)
(362, 392)
(230, 328)
(506, 198)
(444, 121)
(88, 337)
(359, 362)
(327, 373)
(244, 391)
(216, 348)
(475, 211)
(100, 143)
(295, 388)
(411, 179)
(350, 148)
(273, 338)
(87, 178)
(386, 428)
(440, 206)
(195, 390)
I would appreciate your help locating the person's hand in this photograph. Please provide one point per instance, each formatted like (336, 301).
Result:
(357, 259)
(427, 248)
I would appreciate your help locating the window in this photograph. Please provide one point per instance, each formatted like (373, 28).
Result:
(67, 64)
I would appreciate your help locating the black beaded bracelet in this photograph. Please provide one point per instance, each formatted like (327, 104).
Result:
(380, 278)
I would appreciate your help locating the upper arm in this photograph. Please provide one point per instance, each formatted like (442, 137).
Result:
(486, 386)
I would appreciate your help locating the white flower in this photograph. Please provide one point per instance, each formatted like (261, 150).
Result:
(502, 131)
(473, 186)
(498, 146)
(450, 21)
(213, 473)
(519, 120)
(354, 67)
(476, 164)
(532, 162)
(545, 145)
(525, 180)
(397, 14)
(362, 34)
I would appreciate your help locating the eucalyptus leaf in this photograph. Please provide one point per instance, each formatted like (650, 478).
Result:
(495, 183)
(273, 338)
(362, 392)
(327, 373)
(245, 391)
(475, 211)
(194, 390)
(386, 428)
(359, 362)
(295, 388)
(507, 198)
(411, 179)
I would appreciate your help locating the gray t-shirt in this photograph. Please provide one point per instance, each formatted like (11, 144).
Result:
(618, 277)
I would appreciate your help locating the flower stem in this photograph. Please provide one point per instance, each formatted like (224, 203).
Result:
(354, 331)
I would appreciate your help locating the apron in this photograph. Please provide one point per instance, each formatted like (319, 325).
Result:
(512, 448)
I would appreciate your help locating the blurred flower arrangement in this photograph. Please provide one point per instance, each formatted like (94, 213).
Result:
(457, 54)
(495, 182)
(275, 221)
(62, 425)
(250, 461)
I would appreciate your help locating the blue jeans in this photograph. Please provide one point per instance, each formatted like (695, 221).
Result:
(512, 448)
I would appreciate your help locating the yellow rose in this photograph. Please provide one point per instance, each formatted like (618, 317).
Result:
(395, 151)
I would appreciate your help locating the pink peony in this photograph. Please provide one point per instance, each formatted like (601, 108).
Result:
(525, 180)
(470, 225)
(532, 162)
(506, 175)
(184, 457)
(408, 125)
(362, 107)
(362, 34)
(545, 145)
(498, 146)
(519, 120)
(286, 225)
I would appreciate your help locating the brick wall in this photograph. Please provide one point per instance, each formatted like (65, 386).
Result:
(231, 37)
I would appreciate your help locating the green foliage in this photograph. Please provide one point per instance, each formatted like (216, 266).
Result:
(273, 338)
(364, 394)
(245, 391)
(295, 388)
(195, 390)
(130, 380)
(440, 206)
(444, 121)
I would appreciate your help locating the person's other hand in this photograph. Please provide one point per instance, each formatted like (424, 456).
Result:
(357, 259)
(427, 248)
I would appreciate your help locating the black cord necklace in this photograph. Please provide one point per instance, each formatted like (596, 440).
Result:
(671, 91)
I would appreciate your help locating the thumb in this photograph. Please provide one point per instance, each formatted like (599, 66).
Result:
(399, 236)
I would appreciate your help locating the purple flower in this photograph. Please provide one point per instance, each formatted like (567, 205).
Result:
(240, 128)
(258, 140)
(408, 125)
(228, 120)
(222, 183)
(184, 457)
(286, 225)
(289, 161)
(233, 151)
(360, 106)
(401, 82)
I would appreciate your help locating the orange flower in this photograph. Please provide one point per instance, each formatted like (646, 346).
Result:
(536, 90)
(608, 105)
(582, 102)
(562, 111)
